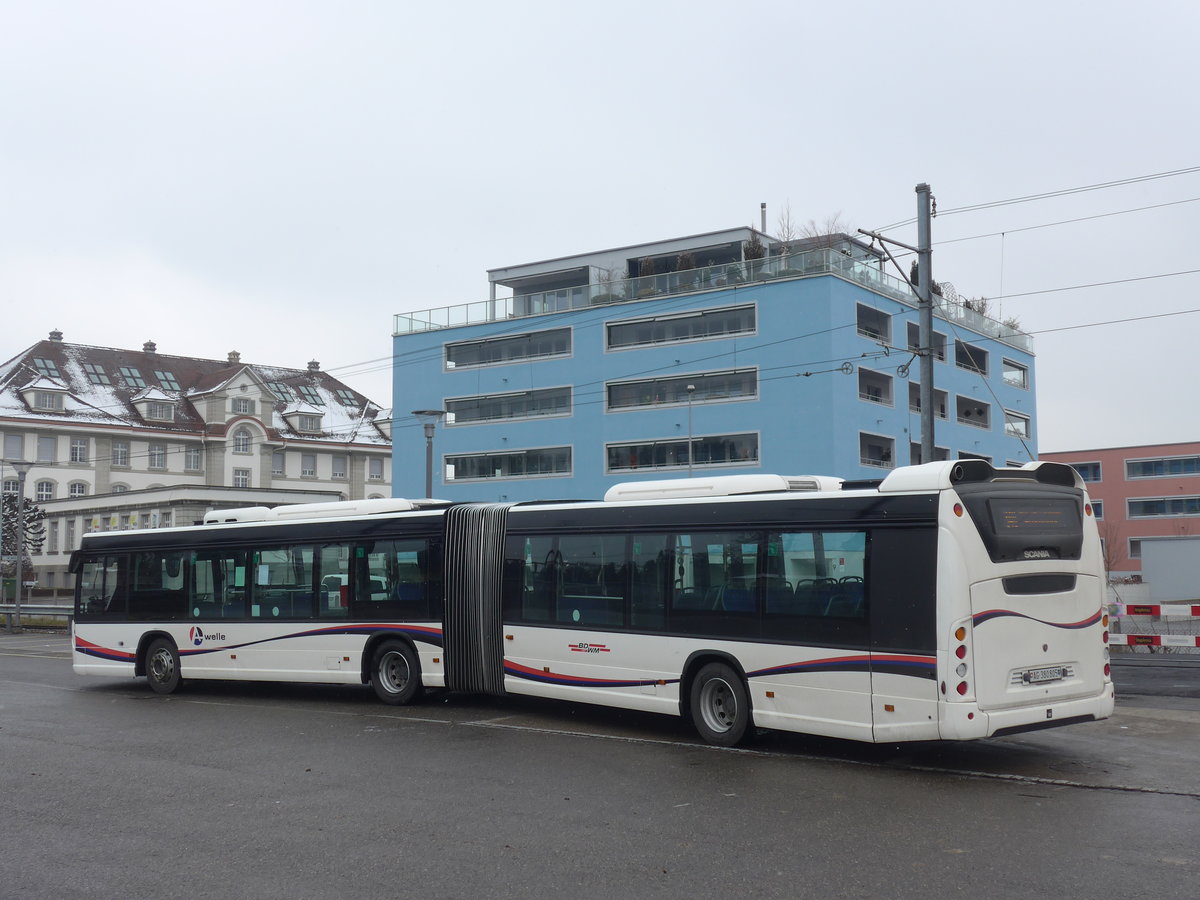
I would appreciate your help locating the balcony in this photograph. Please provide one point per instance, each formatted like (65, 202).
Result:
(806, 264)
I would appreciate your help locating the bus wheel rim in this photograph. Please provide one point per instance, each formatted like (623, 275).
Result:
(718, 705)
(394, 671)
(162, 667)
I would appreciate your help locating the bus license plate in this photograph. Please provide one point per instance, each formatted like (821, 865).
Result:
(1041, 676)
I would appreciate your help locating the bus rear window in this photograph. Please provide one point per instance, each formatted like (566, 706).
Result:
(1026, 523)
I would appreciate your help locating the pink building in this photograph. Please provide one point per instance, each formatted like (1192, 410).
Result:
(1140, 493)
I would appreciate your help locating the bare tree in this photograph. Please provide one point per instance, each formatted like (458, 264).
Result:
(825, 234)
(787, 231)
(1110, 544)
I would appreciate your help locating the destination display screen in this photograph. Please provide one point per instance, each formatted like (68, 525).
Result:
(1050, 516)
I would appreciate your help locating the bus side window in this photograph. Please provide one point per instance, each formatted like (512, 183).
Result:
(650, 567)
(217, 587)
(157, 588)
(102, 588)
(333, 593)
(393, 580)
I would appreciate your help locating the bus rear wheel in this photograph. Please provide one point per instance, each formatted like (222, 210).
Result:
(162, 667)
(396, 673)
(720, 705)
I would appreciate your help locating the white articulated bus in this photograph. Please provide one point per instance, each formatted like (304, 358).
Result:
(950, 601)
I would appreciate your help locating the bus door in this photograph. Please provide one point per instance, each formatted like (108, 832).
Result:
(902, 581)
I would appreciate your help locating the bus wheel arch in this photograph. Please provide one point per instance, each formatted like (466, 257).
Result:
(393, 669)
(159, 661)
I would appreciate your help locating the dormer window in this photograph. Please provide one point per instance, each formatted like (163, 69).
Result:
(243, 406)
(48, 400)
(309, 424)
(160, 411)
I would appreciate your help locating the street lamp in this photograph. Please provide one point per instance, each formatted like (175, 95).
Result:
(22, 468)
(429, 419)
(691, 389)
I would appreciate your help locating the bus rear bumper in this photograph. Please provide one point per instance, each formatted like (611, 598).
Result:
(966, 721)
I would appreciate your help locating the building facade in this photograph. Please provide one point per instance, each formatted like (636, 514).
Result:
(131, 439)
(719, 353)
(1140, 494)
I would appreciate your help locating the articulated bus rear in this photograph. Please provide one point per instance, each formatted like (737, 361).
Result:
(1022, 628)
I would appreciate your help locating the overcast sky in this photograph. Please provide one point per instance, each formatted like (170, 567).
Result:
(280, 178)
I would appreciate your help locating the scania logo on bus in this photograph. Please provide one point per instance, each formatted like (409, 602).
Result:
(1037, 554)
(198, 637)
(583, 647)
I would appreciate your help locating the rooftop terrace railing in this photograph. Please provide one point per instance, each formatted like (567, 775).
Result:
(706, 278)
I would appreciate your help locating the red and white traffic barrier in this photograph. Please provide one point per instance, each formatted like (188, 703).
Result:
(1174, 612)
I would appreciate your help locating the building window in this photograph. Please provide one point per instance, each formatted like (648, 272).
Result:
(1088, 471)
(1016, 425)
(280, 390)
(79, 450)
(241, 478)
(376, 470)
(495, 351)
(77, 489)
(1162, 468)
(338, 467)
(47, 400)
(914, 400)
(157, 456)
(242, 440)
(44, 491)
(914, 454)
(160, 411)
(347, 397)
(52, 536)
(164, 520)
(1163, 507)
(132, 376)
(193, 459)
(874, 324)
(681, 327)
(14, 446)
(47, 449)
(11, 485)
(1015, 374)
(308, 424)
(120, 454)
(308, 465)
(118, 488)
(310, 395)
(166, 380)
(1135, 548)
(243, 405)
(95, 374)
(914, 341)
(874, 387)
(516, 464)
(278, 462)
(46, 367)
(707, 387)
(519, 405)
(974, 412)
(1098, 508)
(876, 451)
(69, 535)
(709, 450)
(969, 357)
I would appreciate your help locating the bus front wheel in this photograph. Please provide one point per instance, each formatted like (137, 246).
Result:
(396, 673)
(720, 705)
(162, 667)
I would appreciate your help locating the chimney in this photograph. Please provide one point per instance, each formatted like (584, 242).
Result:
(149, 347)
(56, 335)
(234, 357)
(314, 366)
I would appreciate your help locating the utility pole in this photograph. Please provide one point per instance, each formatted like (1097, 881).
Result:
(925, 321)
(924, 288)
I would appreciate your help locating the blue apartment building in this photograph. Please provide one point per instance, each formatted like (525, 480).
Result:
(721, 353)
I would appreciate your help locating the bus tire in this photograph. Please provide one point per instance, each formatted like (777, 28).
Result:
(162, 666)
(396, 673)
(720, 705)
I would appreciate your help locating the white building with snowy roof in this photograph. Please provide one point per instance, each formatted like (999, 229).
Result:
(136, 439)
